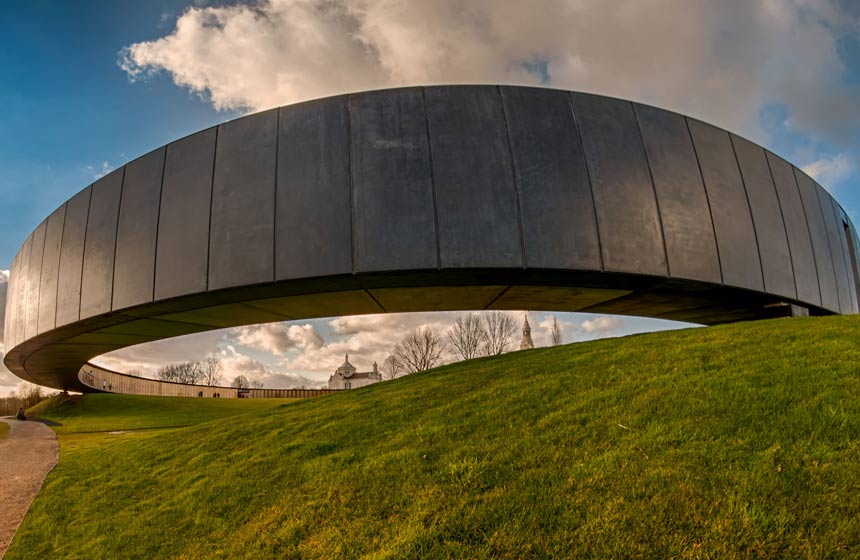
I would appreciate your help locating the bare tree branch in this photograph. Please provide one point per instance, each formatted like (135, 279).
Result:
(420, 350)
(240, 382)
(467, 336)
(499, 331)
(391, 367)
(211, 371)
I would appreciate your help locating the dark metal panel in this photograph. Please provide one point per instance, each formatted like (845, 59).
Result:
(843, 229)
(767, 218)
(23, 291)
(820, 243)
(559, 224)
(627, 216)
(313, 205)
(241, 237)
(392, 189)
(134, 272)
(690, 244)
(854, 253)
(799, 242)
(50, 270)
(34, 279)
(71, 258)
(475, 195)
(100, 245)
(839, 267)
(736, 239)
(182, 254)
(11, 310)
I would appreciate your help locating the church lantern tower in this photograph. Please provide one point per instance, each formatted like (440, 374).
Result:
(526, 341)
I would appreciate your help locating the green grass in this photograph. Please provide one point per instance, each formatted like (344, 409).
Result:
(4, 430)
(739, 441)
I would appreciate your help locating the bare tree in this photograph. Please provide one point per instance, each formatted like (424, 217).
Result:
(499, 331)
(391, 367)
(555, 332)
(256, 384)
(190, 373)
(467, 336)
(211, 371)
(419, 350)
(240, 382)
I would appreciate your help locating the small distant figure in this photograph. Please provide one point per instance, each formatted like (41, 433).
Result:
(20, 415)
(104, 384)
(110, 386)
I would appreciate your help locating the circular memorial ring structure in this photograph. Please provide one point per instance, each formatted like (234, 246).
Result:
(433, 198)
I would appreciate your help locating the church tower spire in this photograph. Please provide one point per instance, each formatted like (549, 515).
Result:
(526, 341)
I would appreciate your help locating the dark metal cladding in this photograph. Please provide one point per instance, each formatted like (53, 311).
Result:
(50, 270)
(850, 260)
(820, 243)
(686, 216)
(11, 310)
(72, 257)
(23, 291)
(392, 188)
(854, 255)
(100, 245)
(136, 233)
(835, 242)
(475, 196)
(182, 253)
(559, 224)
(730, 209)
(34, 277)
(627, 216)
(767, 218)
(419, 199)
(799, 242)
(241, 238)
(313, 205)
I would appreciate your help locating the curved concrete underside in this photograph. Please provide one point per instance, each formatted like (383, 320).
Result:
(416, 199)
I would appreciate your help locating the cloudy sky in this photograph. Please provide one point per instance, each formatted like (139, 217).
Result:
(88, 86)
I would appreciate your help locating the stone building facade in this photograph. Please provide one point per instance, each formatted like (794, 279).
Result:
(348, 377)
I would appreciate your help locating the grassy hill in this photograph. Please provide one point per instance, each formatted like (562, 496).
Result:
(732, 441)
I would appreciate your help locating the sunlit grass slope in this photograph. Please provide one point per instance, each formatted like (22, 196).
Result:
(735, 441)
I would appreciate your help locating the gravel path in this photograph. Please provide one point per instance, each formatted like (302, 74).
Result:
(26, 457)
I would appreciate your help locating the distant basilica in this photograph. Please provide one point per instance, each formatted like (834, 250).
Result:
(347, 377)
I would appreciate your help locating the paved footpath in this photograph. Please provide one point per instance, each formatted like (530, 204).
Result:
(26, 456)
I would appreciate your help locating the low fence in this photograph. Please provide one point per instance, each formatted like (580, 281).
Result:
(107, 381)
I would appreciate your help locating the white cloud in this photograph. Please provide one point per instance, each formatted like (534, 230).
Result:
(830, 170)
(278, 338)
(720, 61)
(100, 171)
(603, 325)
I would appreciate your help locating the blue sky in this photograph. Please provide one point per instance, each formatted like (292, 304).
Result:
(88, 86)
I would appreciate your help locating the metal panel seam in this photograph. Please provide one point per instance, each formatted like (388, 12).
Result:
(752, 216)
(784, 228)
(513, 167)
(588, 175)
(707, 199)
(829, 244)
(41, 270)
(275, 198)
(158, 221)
(351, 182)
(809, 232)
(84, 248)
(653, 189)
(432, 178)
(116, 236)
(59, 259)
(211, 195)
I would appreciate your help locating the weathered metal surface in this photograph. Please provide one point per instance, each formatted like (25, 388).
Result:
(416, 199)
